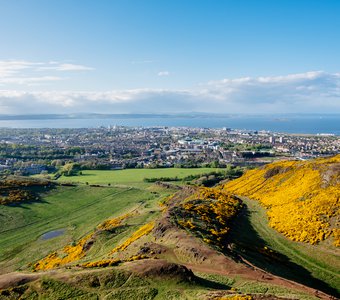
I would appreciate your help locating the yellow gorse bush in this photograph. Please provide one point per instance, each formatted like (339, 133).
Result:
(144, 230)
(208, 213)
(114, 222)
(236, 297)
(302, 198)
(101, 263)
(67, 255)
(72, 253)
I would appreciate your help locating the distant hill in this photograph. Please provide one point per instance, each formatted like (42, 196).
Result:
(301, 197)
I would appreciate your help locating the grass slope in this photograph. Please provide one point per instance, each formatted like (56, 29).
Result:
(254, 240)
(78, 210)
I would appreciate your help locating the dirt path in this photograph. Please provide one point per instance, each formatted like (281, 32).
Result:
(219, 264)
(259, 275)
(16, 278)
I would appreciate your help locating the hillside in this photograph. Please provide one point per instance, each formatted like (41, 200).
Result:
(19, 189)
(143, 240)
(301, 198)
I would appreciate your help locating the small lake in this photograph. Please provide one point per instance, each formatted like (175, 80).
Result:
(52, 234)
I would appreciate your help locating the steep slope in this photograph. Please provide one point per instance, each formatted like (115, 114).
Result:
(301, 197)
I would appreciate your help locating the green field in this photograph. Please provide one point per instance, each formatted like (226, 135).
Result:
(134, 177)
(78, 210)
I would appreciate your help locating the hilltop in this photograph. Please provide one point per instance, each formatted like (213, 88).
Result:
(162, 240)
(301, 195)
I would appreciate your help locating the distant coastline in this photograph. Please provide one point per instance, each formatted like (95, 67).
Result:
(276, 117)
(286, 123)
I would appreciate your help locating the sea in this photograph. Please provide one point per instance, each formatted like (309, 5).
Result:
(300, 124)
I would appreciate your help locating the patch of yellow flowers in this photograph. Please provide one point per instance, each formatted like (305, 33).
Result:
(72, 253)
(302, 198)
(210, 210)
(67, 255)
(236, 297)
(114, 222)
(144, 230)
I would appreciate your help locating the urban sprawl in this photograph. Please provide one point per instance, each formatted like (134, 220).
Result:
(35, 151)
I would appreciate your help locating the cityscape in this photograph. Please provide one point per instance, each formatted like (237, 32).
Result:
(35, 151)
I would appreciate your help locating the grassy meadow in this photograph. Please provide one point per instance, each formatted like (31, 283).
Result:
(134, 177)
(77, 210)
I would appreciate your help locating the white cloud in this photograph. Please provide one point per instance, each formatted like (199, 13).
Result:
(65, 67)
(10, 67)
(28, 80)
(138, 62)
(23, 72)
(305, 92)
(163, 73)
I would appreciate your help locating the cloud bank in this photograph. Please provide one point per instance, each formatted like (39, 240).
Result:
(306, 92)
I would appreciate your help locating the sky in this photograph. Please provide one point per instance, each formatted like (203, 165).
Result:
(169, 56)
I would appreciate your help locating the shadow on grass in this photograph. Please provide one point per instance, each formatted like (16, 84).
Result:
(247, 243)
(26, 204)
(81, 175)
(206, 283)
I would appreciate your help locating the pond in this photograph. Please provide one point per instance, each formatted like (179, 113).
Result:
(52, 234)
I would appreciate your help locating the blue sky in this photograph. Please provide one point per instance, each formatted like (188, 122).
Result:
(169, 56)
